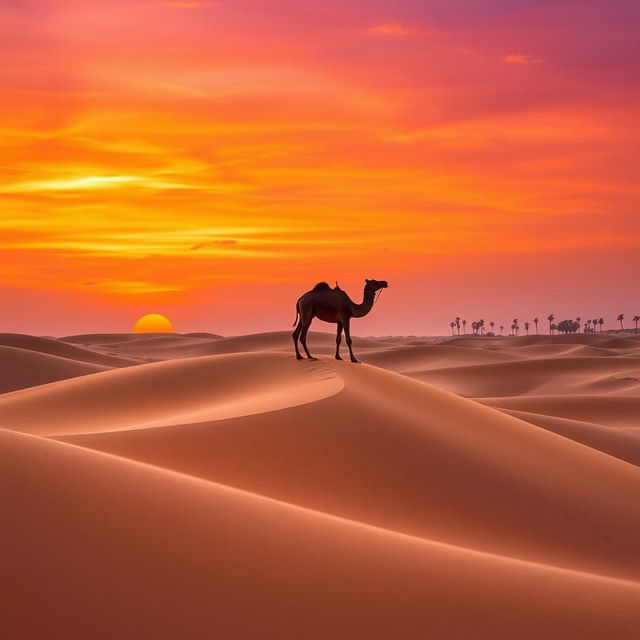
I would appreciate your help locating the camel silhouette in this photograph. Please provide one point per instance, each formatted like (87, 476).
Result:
(332, 305)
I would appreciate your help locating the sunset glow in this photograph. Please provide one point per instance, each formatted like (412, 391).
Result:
(215, 160)
(153, 323)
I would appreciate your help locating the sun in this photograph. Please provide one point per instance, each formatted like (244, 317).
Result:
(153, 323)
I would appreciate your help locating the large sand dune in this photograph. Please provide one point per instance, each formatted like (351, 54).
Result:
(64, 350)
(22, 368)
(168, 392)
(199, 486)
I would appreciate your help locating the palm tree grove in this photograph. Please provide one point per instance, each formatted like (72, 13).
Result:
(562, 327)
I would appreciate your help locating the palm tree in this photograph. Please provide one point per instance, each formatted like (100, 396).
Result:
(474, 326)
(535, 321)
(458, 324)
(526, 327)
(601, 323)
(453, 324)
(492, 324)
(595, 323)
(481, 325)
(620, 319)
(515, 326)
(587, 326)
(550, 318)
(636, 319)
(464, 327)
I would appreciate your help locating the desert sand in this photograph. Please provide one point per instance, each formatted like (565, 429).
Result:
(197, 486)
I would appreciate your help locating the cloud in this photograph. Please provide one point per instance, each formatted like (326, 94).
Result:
(520, 58)
(90, 183)
(134, 286)
(392, 29)
(214, 243)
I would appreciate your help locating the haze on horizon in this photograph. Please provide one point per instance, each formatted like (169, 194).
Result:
(211, 161)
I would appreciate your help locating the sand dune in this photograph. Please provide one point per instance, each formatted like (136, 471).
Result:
(614, 411)
(213, 387)
(402, 455)
(22, 368)
(135, 547)
(109, 338)
(408, 359)
(556, 375)
(220, 487)
(281, 341)
(172, 345)
(64, 350)
(622, 443)
(595, 339)
(545, 349)
(630, 342)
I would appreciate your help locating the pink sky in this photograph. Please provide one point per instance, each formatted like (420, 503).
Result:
(212, 161)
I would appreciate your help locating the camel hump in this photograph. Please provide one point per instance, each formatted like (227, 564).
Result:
(321, 286)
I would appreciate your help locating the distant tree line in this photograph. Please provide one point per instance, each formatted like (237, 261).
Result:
(590, 325)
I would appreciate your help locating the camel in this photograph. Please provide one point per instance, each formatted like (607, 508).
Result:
(332, 305)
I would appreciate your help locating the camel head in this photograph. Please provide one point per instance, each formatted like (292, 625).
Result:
(374, 285)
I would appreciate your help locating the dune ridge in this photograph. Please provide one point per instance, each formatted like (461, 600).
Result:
(165, 392)
(22, 368)
(62, 349)
(609, 410)
(539, 376)
(618, 442)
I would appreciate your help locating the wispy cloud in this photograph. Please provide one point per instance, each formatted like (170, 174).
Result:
(87, 183)
(521, 58)
(226, 242)
(134, 286)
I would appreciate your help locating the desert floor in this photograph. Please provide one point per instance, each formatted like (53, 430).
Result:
(193, 486)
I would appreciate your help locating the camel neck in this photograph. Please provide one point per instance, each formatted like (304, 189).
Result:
(364, 307)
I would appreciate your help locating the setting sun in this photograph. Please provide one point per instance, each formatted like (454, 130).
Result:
(153, 323)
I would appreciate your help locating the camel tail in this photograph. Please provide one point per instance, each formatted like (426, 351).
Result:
(295, 322)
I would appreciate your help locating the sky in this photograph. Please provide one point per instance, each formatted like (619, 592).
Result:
(212, 161)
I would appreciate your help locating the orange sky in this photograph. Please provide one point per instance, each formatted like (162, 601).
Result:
(213, 160)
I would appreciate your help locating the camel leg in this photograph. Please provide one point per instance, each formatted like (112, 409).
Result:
(296, 334)
(347, 334)
(303, 338)
(338, 340)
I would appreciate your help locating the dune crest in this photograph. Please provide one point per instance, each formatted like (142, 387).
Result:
(157, 394)
(22, 368)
